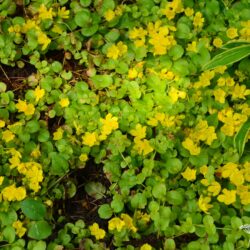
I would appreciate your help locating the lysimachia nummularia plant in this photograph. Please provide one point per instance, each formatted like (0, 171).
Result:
(124, 124)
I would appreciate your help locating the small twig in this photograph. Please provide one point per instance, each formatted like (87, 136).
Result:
(5, 73)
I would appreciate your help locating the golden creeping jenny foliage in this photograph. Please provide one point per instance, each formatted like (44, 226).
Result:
(128, 94)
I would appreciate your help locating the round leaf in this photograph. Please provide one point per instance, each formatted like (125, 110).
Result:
(39, 230)
(105, 211)
(33, 209)
(82, 18)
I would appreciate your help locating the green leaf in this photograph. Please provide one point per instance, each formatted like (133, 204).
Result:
(117, 204)
(32, 126)
(102, 81)
(175, 197)
(39, 230)
(241, 137)
(43, 135)
(228, 57)
(183, 31)
(233, 44)
(59, 166)
(174, 165)
(33, 209)
(9, 234)
(169, 244)
(139, 200)
(7, 218)
(105, 211)
(165, 217)
(37, 245)
(90, 30)
(95, 189)
(176, 52)
(85, 3)
(3, 87)
(112, 35)
(82, 18)
(56, 67)
(159, 190)
(105, 5)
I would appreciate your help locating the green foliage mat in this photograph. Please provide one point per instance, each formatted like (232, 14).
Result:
(124, 124)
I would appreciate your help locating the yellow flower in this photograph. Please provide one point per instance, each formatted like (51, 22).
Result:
(116, 224)
(2, 123)
(15, 28)
(137, 33)
(30, 24)
(128, 222)
(214, 188)
(205, 182)
(109, 124)
(63, 13)
(204, 170)
(14, 161)
(220, 95)
(239, 92)
(132, 73)
(246, 171)
(139, 132)
(58, 134)
(142, 146)
(160, 38)
(198, 20)
(83, 157)
(243, 192)
(11, 193)
(8, 136)
(229, 81)
(122, 48)
(168, 12)
(245, 31)
(90, 139)
(228, 129)
(189, 174)
(44, 13)
(146, 247)
(232, 33)
(191, 146)
(113, 52)
(220, 69)
(97, 232)
(39, 93)
(217, 42)
(36, 152)
(1, 180)
(20, 230)
(43, 39)
(109, 15)
(49, 203)
(231, 171)
(30, 109)
(203, 204)
(175, 94)
(33, 174)
(57, 29)
(228, 197)
(142, 216)
(189, 11)
(22, 106)
(64, 102)
(192, 47)
(119, 10)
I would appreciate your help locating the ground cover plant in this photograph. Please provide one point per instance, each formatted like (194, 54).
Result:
(124, 124)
